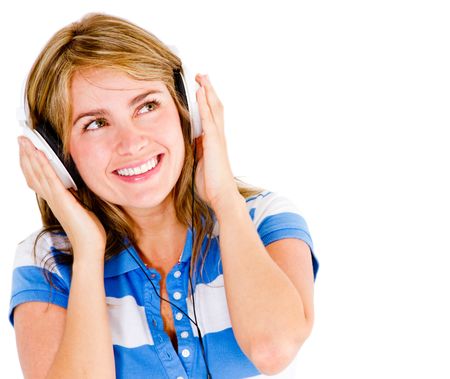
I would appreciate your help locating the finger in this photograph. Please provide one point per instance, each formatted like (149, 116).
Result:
(30, 166)
(205, 112)
(213, 100)
(52, 182)
(40, 184)
(43, 178)
(26, 163)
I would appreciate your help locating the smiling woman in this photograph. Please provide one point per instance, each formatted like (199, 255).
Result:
(161, 264)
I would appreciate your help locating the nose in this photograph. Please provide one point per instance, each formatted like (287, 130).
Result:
(130, 140)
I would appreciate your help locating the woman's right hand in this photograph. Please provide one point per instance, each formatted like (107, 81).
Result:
(84, 230)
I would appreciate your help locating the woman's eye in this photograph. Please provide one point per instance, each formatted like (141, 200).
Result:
(148, 107)
(96, 124)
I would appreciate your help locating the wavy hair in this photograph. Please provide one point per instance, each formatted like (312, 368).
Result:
(103, 41)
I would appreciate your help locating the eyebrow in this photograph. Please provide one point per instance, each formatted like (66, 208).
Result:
(100, 112)
(142, 96)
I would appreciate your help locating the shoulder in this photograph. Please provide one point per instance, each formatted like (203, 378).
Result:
(270, 210)
(268, 203)
(276, 217)
(38, 247)
(38, 274)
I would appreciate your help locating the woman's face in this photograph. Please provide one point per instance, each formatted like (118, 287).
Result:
(126, 138)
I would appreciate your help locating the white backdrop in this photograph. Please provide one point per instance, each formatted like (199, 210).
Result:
(343, 106)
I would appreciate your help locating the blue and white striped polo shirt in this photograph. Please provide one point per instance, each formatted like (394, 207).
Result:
(141, 347)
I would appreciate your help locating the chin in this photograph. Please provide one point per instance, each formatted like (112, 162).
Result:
(147, 201)
(138, 195)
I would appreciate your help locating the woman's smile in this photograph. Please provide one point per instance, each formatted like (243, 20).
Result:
(142, 171)
(140, 168)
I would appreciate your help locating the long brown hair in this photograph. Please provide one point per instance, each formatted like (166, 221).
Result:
(103, 41)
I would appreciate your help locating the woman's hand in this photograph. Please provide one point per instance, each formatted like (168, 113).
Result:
(82, 227)
(214, 178)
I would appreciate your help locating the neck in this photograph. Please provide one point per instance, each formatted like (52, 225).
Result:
(160, 235)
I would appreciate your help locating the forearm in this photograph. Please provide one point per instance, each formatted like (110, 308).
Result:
(86, 348)
(265, 307)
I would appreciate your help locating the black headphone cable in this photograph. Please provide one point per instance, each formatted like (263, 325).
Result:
(209, 376)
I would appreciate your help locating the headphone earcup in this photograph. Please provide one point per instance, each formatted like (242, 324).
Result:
(45, 139)
(186, 86)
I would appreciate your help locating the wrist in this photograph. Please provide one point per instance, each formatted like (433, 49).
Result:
(229, 206)
(93, 270)
(88, 255)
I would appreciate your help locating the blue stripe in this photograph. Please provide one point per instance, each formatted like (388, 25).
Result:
(29, 284)
(287, 225)
(225, 358)
(137, 363)
(281, 221)
(129, 283)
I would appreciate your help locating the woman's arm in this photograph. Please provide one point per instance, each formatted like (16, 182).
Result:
(270, 296)
(77, 343)
(270, 299)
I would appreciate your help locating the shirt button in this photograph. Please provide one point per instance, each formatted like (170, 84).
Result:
(177, 295)
(180, 377)
(177, 274)
(184, 334)
(179, 316)
(185, 353)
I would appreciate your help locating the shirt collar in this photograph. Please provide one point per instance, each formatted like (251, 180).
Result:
(128, 259)
(122, 262)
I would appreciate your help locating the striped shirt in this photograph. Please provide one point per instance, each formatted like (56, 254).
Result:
(142, 349)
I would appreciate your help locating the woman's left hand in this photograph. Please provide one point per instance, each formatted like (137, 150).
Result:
(214, 179)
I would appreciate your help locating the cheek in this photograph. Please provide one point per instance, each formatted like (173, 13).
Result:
(178, 146)
(90, 160)
(173, 136)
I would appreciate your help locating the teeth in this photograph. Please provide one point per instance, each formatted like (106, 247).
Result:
(140, 169)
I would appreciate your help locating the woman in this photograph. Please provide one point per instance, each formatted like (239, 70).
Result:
(140, 273)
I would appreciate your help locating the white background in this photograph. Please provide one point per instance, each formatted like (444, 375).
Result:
(343, 106)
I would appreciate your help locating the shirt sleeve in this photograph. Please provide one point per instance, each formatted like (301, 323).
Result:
(36, 277)
(276, 218)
